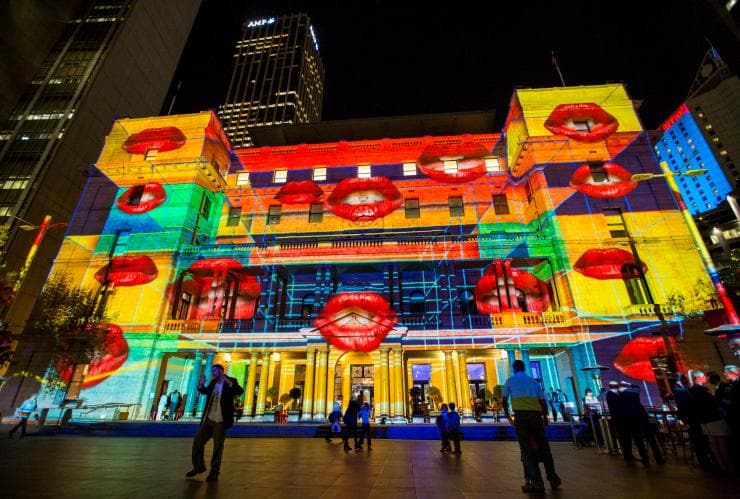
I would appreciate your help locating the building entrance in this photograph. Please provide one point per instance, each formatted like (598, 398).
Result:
(363, 382)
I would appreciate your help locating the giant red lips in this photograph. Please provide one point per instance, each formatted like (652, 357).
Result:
(301, 192)
(141, 198)
(607, 263)
(128, 271)
(618, 181)
(634, 359)
(356, 321)
(470, 159)
(106, 363)
(162, 139)
(364, 199)
(210, 276)
(585, 122)
(487, 290)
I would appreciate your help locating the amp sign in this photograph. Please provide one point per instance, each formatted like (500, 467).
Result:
(260, 22)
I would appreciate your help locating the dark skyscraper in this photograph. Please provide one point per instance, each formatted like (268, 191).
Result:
(112, 58)
(278, 77)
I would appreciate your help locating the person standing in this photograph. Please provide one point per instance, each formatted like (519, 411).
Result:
(350, 424)
(25, 411)
(616, 424)
(443, 422)
(174, 401)
(637, 423)
(530, 418)
(162, 407)
(453, 426)
(218, 417)
(365, 430)
(554, 401)
(703, 409)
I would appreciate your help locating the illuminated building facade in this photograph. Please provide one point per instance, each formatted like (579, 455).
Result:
(278, 77)
(370, 267)
(111, 58)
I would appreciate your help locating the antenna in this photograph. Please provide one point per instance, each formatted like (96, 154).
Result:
(555, 64)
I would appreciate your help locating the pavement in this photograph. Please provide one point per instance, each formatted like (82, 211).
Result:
(40, 466)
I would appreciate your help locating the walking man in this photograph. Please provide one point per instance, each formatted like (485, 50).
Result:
(636, 425)
(365, 429)
(26, 410)
(453, 425)
(218, 417)
(530, 418)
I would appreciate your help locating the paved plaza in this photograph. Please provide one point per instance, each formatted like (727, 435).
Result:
(80, 467)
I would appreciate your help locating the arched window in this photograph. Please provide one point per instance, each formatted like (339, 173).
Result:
(417, 304)
(307, 306)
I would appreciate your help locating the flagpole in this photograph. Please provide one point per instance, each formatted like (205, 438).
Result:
(557, 67)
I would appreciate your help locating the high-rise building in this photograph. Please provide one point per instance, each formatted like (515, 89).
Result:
(113, 58)
(278, 77)
(375, 266)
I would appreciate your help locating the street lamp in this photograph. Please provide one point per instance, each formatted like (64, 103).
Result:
(694, 231)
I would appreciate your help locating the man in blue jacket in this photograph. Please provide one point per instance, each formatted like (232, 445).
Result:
(453, 426)
(26, 410)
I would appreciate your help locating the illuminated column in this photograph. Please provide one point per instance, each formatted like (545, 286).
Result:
(525, 357)
(308, 385)
(383, 392)
(346, 384)
(451, 388)
(251, 383)
(511, 355)
(399, 399)
(464, 406)
(264, 376)
(319, 405)
(330, 371)
(192, 392)
(207, 373)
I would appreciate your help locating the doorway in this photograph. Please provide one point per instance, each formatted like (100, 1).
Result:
(363, 383)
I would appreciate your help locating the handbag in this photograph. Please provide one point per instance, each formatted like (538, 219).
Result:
(336, 427)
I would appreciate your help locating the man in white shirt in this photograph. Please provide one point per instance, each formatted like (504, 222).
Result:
(218, 417)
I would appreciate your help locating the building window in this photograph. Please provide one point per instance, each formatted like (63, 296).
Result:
(412, 208)
(635, 283)
(492, 165)
(242, 178)
(417, 303)
(235, 215)
(307, 306)
(450, 167)
(135, 198)
(409, 169)
(597, 171)
(456, 206)
(615, 222)
(316, 213)
(205, 206)
(500, 204)
(582, 125)
(120, 242)
(273, 215)
(184, 307)
(364, 171)
(319, 174)
(280, 177)
(151, 155)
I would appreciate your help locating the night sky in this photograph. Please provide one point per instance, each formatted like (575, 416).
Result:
(386, 58)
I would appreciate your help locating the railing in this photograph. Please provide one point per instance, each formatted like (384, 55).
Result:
(193, 326)
(646, 310)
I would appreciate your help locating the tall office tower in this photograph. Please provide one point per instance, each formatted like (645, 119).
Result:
(113, 58)
(278, 77)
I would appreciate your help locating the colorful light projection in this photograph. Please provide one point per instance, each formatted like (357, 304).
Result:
(634, 358)
(504, 288)
(139, 199)
(610, 181)
(162, 139)
(467, 162)
(356, 321)
(586, 122)
(364, 199)
(607, 263)
(300, 192)
(115, 353)
(128, 271)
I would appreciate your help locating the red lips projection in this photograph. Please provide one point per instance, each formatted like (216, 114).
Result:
(470, 158)
(585, 122)
(141, 198)
(607, 263)
(496, 290)
(634, 359)
(210, 276)
(114, 355)
(617, 183)
(162, 139)
(302, 192)
(356, 321)
(128, 271)
(364, 199)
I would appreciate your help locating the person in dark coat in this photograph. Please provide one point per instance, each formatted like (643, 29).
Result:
(703, 409)
(453, 425)
(218, 417)
(350, 424)
(637, 423)
(616, 425)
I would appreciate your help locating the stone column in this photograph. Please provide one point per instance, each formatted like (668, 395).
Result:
(319, 397)
(382, 410)
(192, 392)
(249, 389)
(207, 372)
(451, 386)
(464, 406)
(398, 388)
(308, 386)
(261, 393)
(525, 358)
